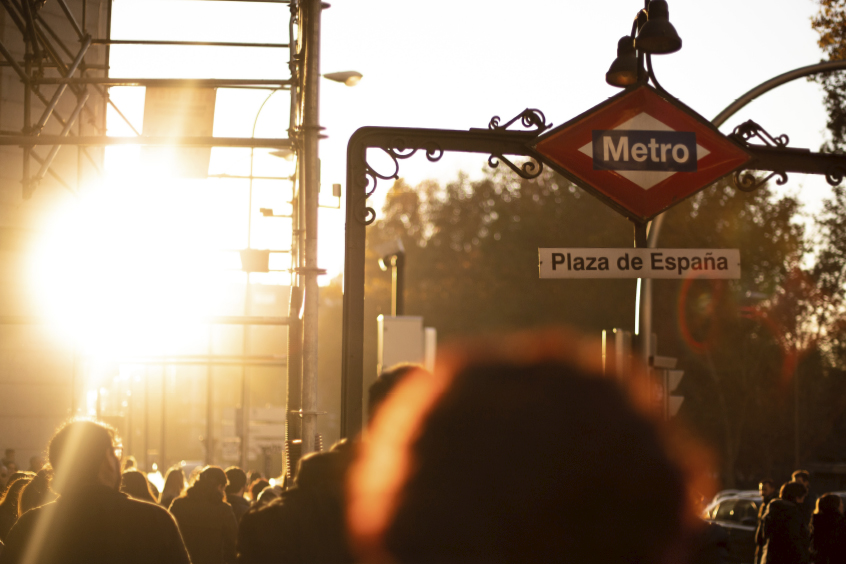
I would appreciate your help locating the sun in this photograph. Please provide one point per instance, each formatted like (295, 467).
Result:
(122, 269)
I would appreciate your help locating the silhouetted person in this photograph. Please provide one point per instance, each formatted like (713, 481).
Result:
(235, 491)
(36, 463)
(768, 492)
(306, 525)
(206, 521)
(37, 492)
(174, 485)
(783, 531)
(516, 450)
(804, 478)
(828, 531)
(9, 458)
(92, 522)
(9, 503)
(135, 485)
(257, 487)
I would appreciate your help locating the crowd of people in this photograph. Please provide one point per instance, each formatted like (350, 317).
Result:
(794, 528)
(515, 449)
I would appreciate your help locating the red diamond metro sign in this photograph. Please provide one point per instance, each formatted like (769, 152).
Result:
(640, 152)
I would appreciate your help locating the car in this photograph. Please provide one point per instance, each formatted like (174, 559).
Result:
(737, 513)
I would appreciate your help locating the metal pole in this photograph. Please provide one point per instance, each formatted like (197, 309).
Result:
(398, 275)
(209, 404)
(147, 420)
(796, 453)
(162, 450)
(245, 382)
(311, 127)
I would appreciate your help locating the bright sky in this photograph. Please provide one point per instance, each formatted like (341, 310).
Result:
(454, 65)
(440, 64)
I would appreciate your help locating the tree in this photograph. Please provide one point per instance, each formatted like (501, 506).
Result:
(830, 24)
(472, 260)
(471, 256)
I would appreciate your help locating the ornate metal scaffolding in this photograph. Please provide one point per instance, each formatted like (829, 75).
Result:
(63, 67)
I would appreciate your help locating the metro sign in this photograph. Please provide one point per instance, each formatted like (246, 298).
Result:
(640, 152)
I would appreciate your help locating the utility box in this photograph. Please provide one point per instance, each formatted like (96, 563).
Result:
(404, 339)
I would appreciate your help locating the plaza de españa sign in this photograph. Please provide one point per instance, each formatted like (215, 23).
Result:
(640, 152)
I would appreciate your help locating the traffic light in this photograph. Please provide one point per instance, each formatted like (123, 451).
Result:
(669, 379)
(672, 379)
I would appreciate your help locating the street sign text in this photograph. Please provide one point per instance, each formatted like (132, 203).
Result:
(639, 263)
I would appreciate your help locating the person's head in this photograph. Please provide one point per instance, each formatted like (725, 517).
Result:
(210, 484)
(36, 463)
(85, 452)
(801, 476)
(491, 458)
(829, 503)
(9, 454)
(129, 463)
(793, 491)
(257, 487)
(385, 383)
(766, 488)
(174, 483)
(134, 484)
(237, 480)
(37, 492)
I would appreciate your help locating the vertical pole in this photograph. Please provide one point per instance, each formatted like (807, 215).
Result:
(163, 442)
(640, 339)
(398, 262)
(209, 404)
(293, 430)
(311, 128)
(245, 381)
(357, 215)
(27, 127)
(796, 454)
(147, 420)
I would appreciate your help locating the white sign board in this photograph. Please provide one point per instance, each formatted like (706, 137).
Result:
(639, 263)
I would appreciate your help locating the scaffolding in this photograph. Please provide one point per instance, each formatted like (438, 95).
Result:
(63, 66)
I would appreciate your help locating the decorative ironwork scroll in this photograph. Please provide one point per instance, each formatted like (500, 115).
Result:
(531, 119)
(749, 130)
(398, 149)
(743, 179)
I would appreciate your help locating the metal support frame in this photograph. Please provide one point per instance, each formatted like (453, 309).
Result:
(401, 143)
(497, 141)
(46, 52)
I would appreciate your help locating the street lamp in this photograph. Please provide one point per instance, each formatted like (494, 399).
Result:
(392, 255)
(350, 78)
(652, 34)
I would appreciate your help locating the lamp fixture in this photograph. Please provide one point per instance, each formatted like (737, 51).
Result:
(658, 36)
(624, 70)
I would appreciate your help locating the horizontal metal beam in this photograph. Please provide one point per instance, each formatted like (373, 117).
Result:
(208, 360)
(104, 140)
(214, 320)
(185, 82)
(190, 43)
(786, 159)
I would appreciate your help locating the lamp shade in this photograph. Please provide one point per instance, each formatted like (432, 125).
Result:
(658, 36)
(624, 70)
